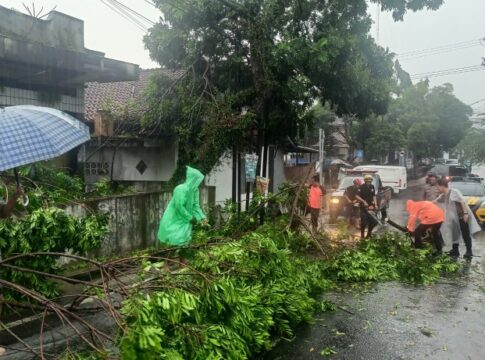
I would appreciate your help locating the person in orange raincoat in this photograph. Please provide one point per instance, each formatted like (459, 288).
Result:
(315, 201)
(430, 217)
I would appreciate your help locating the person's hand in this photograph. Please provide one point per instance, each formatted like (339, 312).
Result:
(466, 217)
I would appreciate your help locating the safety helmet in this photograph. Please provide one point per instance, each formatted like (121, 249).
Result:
(358, 181)
(368, 178)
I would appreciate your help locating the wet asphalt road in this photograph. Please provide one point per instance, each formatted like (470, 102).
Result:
(397, 321)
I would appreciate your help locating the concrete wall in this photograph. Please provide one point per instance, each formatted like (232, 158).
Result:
(133, 219)
(221, 178)
(279, 169)
(160, 162)
(58, 30)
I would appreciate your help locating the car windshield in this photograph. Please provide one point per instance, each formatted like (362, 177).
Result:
(440, 170)
(349, 181)
(469, 189)
(458, 171)
(449, 170)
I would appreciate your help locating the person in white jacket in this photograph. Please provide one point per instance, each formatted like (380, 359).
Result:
(460, 224)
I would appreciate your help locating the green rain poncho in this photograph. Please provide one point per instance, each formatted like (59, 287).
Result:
(176, 225)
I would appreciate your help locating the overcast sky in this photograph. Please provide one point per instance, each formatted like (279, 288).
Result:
(457, 21)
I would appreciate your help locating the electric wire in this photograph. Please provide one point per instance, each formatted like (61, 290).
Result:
(129, 14)
(134, 12)
(133, 16)
(476, 102)
(446, 72)
(123, 15)
(417, 54)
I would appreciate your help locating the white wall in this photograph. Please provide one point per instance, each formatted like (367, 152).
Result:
(279, 170)
(160, 163)
(221, 177)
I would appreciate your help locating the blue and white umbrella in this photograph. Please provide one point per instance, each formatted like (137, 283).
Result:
(29, 134)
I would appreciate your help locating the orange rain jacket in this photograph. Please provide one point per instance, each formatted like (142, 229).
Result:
(315, 196)
(425, 211)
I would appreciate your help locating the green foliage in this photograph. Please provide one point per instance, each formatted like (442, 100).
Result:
(256, 290)
(327, 352)
(106, 187)
(433, 119)
(260, 65)
(45, 230)
(388, 257)
(385, 137)
(472, 146)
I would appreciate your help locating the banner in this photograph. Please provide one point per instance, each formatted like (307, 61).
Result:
(250, 162)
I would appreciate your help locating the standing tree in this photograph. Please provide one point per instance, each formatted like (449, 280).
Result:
(472, 146)
(260, 64)
(433, 119)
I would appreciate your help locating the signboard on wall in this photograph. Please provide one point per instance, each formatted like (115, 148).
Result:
(251, 162)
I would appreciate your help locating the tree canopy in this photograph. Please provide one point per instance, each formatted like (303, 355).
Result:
(261, 64)
(433, 119)
(472, 146)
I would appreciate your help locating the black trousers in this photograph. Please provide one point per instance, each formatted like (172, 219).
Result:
(315, 215)
(434, 230)
(366, 221)
(465, 232)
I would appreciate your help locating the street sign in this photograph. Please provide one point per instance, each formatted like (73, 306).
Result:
(251, 162)
(359, 154)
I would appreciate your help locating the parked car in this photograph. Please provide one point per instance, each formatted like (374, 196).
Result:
(339, 206)
(449, 171)
(452, 162)
(469, 178)
(474, 193)
(395, 177)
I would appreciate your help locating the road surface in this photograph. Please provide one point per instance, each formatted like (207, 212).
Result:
(388, 321)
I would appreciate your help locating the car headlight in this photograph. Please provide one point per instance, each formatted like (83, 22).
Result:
(335, 201)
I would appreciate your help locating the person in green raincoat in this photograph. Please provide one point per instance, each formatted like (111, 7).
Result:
(176, 224)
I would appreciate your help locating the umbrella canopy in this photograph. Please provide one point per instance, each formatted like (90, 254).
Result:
(30, 133)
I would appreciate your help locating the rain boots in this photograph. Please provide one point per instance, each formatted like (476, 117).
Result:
(468, 244)
(454, 251)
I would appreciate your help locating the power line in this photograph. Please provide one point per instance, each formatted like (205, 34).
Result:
(134, 12)
(123, 14)
(133, 16)
(445, 72)
(476, 102)
(441, 49)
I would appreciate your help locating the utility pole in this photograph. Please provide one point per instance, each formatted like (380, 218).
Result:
(321, 153)
(378, 22)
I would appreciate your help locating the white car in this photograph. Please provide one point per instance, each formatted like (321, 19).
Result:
(394, 177)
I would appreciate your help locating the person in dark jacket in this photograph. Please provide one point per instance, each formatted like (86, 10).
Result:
(368, 202)
(353, 211)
